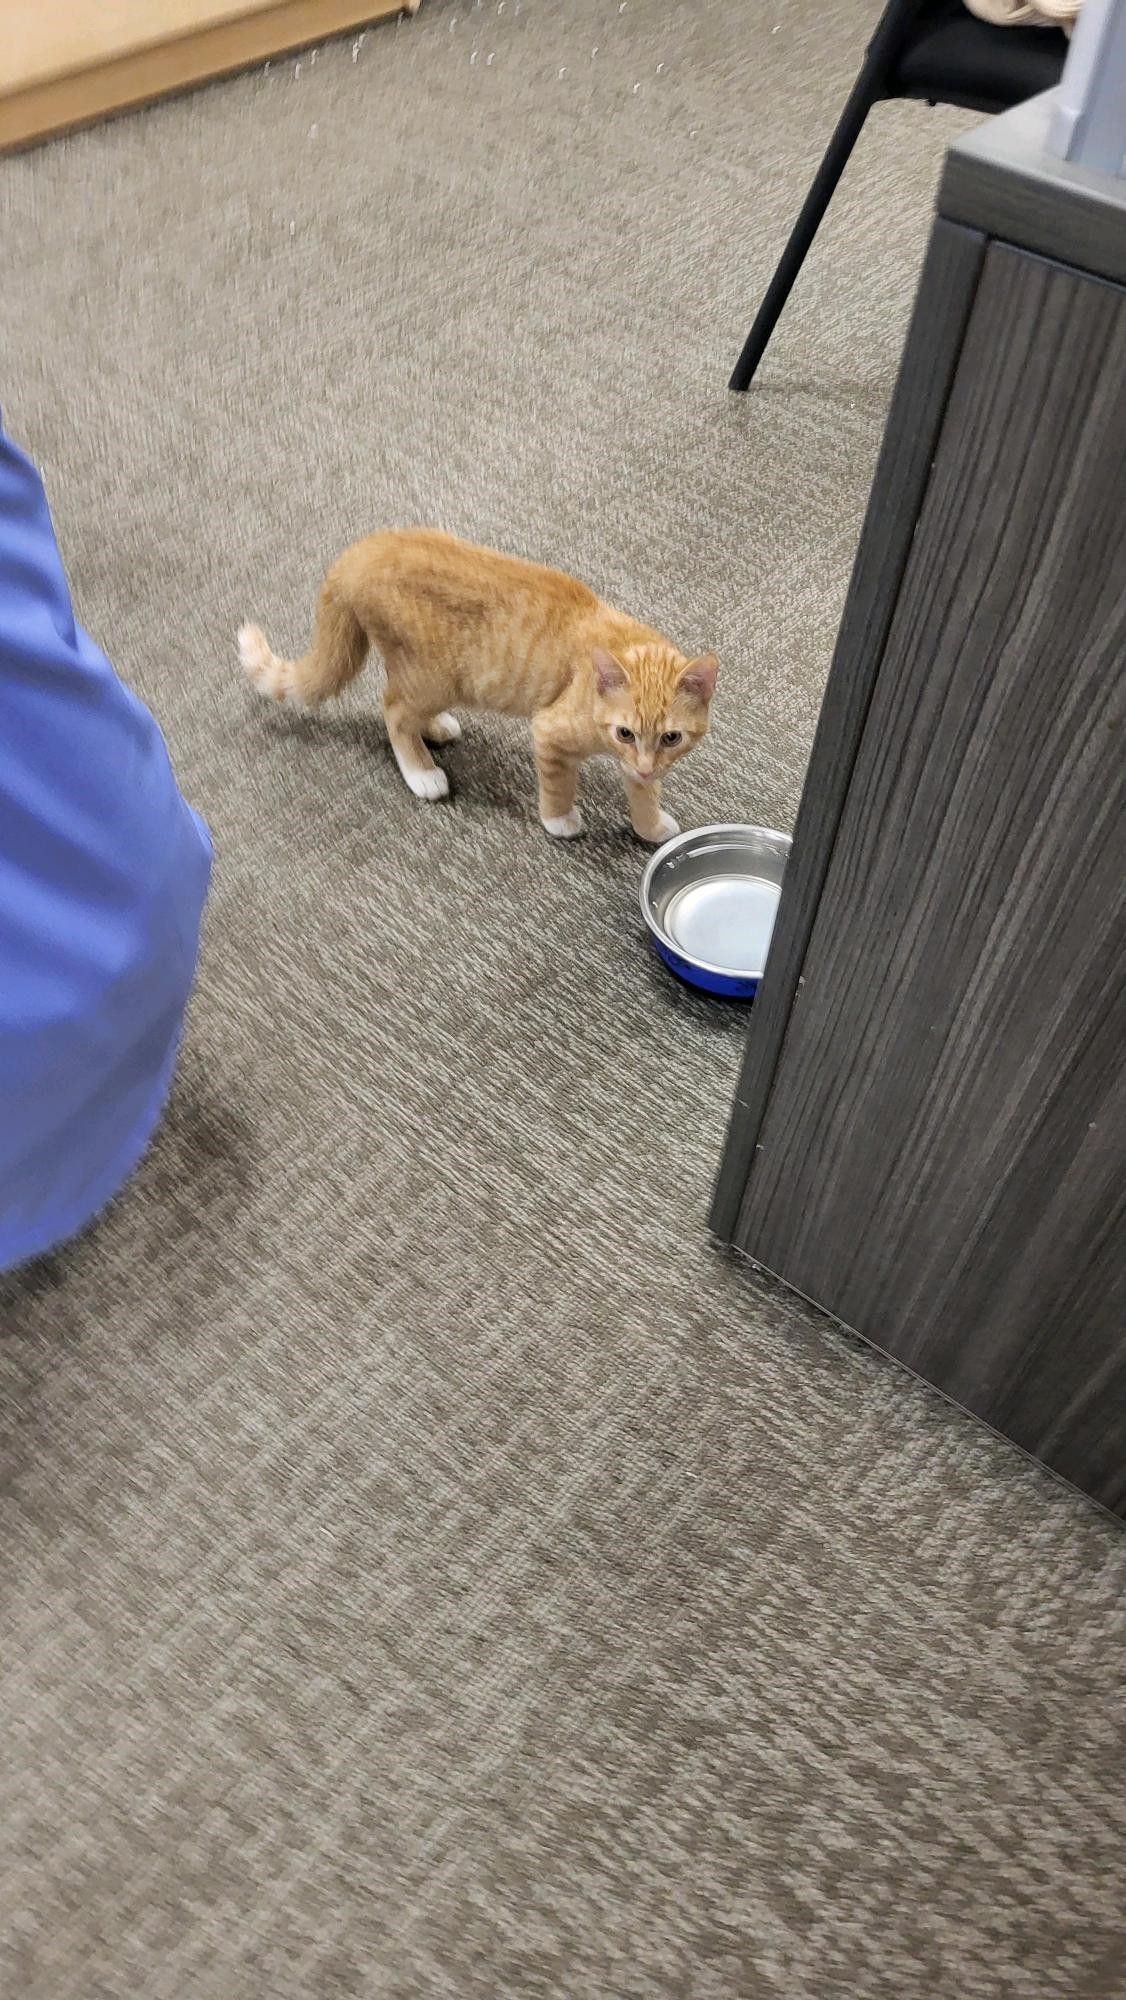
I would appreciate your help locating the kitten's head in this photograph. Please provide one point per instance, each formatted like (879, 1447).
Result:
(653, 705)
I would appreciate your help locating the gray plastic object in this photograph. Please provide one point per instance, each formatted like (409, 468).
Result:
(1088, 122)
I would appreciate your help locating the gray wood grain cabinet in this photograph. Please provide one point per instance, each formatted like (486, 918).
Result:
(929, 1133)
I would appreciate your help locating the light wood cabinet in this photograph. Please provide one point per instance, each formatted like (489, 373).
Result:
(66, 62)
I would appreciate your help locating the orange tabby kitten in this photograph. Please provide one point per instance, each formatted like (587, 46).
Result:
(463, 627)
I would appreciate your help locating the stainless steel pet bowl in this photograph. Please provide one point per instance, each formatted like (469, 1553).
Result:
(709, 899)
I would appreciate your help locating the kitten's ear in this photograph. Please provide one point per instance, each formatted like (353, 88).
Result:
(699, 677)
(609, 673)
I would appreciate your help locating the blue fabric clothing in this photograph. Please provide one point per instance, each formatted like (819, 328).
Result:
(103, 878)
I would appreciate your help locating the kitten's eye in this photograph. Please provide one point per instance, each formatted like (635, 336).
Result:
(623, 734)
(672, 737)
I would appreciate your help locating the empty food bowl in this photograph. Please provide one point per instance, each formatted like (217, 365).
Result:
(709, 899)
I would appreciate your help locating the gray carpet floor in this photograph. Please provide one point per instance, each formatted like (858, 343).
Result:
(429, 1567)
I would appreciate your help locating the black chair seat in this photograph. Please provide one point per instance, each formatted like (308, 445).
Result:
(954, 58)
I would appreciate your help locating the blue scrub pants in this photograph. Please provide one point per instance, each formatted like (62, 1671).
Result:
(103, 879)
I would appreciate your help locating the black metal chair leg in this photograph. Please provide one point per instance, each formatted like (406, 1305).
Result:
(892, 33)
(863, 95)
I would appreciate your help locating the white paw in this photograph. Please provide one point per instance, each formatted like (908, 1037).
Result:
(444, 728)
(428, 784)
(665, 828)
(566, 827)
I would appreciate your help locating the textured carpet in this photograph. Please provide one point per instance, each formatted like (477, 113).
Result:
(429, 1568)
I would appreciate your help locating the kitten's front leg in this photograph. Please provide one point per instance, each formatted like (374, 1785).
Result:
(650, 822)
(558, 773)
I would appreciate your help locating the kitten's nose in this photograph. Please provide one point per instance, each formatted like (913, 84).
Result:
(645, 770)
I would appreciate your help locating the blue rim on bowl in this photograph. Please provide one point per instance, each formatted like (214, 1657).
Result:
(709, 898)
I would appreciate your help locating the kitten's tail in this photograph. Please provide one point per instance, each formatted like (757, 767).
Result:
(338, 651)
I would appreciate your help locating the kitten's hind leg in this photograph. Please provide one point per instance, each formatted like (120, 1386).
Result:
(442, 728)
(405, 727)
